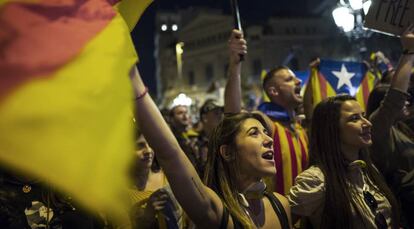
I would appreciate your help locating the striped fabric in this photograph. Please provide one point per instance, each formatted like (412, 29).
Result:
(168, 218)
(365, 89)
(139, 197)
(325, 83)
(265, 98)
(291, 157)
(66, 99)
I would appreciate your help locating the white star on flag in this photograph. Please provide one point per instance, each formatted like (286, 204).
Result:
(344, 77)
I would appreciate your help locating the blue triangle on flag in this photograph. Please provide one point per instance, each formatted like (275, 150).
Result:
(343, 76)
(303, 76)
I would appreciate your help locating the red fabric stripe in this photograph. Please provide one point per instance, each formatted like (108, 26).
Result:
(365, 90)
(113, 2)
(278, 183)
(322, 84)
(37, 39)
(292, 152)
(303, 153)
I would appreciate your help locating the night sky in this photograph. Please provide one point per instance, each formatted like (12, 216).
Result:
(250, 11)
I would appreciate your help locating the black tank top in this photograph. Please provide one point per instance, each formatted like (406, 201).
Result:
(277, 207)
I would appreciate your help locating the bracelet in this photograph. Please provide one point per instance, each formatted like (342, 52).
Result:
(140, 96)
(408, 52)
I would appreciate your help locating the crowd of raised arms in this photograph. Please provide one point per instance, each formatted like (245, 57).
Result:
(353, 169)
(345, 168)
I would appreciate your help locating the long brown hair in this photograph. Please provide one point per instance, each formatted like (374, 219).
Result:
(325, 153)
(221, 175)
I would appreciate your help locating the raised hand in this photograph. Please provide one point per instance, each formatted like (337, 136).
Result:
(232, 95)
(407, 40)
(237, 46)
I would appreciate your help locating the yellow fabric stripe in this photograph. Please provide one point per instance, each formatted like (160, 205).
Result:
(331, 91)
(131, 10)
(139, 196)
(304, 138)
(371, 81)
(316, 90)
(317, 95)
(74, 128)
(265, 98)
(286, 160)
(286, 172)
(360, 97)
(298, 153)
(2, 2)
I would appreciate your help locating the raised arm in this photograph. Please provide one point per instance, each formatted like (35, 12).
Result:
(390, 109)
(385, 116)
(232, 94)
(401, 79)
(202, 205)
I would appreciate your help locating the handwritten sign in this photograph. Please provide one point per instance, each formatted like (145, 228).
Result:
(390, 16)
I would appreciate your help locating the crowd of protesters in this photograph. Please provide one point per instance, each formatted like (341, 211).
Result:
(259, 169)
(355, 171)
(352, 180)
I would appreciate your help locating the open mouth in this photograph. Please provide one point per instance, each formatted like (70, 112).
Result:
(366, 135)
(268, 155)
(146, 158)
(297, 91)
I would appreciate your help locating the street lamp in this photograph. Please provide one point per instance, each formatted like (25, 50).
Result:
(344, 18)
(179, 52)
(174, 27)
(356, 4)
(349, 16)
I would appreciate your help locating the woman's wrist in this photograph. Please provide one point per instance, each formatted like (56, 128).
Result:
(141, 94)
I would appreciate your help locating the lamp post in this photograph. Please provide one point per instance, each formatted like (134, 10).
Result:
(179, 52)
(349, 16)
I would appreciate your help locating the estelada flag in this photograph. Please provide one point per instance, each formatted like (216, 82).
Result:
(335, 77)
(65, 95)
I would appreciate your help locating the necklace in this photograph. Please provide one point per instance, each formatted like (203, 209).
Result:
(255, 191)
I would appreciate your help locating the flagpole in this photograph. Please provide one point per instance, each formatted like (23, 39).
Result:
(236, 19)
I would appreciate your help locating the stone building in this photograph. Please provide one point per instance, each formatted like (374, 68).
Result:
(192, 57)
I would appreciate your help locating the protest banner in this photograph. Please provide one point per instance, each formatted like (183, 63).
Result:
(390, 16)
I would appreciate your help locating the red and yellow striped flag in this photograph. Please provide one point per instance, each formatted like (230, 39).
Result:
(65, 95)
(291, 157)
(365, 89)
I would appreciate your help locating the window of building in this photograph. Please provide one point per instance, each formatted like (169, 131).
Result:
(208, 72)
(191, 78)
(287, 30)
(257, 67)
